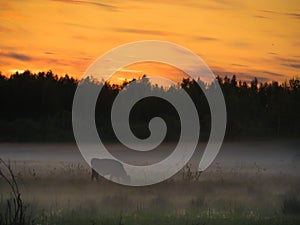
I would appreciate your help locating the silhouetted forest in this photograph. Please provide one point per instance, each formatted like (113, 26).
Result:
(38, 107)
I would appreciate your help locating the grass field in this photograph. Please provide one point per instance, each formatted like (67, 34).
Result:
(64, 194)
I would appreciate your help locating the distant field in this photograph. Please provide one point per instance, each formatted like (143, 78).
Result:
(249, 183)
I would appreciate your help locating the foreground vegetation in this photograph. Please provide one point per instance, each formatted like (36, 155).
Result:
(64, 194)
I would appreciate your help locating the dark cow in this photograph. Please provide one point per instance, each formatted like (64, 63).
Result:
(109, 167)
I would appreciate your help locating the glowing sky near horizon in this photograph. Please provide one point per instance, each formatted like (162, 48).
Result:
(243, 37)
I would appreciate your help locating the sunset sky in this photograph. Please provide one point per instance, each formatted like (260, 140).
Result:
(244, 37)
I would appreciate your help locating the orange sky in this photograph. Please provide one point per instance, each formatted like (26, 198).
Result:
(152, 70)
(246, 37)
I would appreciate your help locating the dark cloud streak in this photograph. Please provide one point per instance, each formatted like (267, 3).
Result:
(17, 56)
(142, 31)
(293, 65)
(294, 15)
(287, 60)
(261, 17)
(273, 74)
(239, 65)
(99, 4)
(203, 38)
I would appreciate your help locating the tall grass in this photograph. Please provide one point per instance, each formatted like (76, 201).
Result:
(13, 212)
(64, 194)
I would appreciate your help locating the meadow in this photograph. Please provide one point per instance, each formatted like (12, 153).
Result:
(61, 192)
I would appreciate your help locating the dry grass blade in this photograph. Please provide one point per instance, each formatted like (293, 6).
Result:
(14, 213)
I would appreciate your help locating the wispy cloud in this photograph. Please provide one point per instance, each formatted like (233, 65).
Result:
(99, 4)
(261, 17)
(78, 25)
(162, 33)
(290, 14)
(209, 5)
(49, 53)
(238, 65)
(294, 15)
(205, 38)
(272, 53)
(16, 55)
(273, 73)
(288, 61)
(293, 65)
(269, 11)
(243, 76)
(142, 31)
(247, 75)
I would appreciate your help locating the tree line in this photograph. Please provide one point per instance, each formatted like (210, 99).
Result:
(38, 107)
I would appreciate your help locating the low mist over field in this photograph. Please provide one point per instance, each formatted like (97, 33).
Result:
(254, 182)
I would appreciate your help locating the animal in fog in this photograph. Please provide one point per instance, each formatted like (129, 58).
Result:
(114, 169)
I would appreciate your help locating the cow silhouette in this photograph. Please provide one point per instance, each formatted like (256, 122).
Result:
(110, 167)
